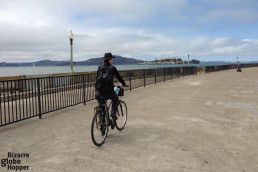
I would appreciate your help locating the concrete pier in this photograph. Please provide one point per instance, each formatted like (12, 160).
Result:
(206, 123)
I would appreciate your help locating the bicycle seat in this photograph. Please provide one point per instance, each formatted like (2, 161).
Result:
(103, 99)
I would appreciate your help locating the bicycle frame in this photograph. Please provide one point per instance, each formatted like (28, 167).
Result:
(102, 115)
(105, 106)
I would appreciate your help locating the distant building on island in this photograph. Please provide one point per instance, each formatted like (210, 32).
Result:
(170, 61)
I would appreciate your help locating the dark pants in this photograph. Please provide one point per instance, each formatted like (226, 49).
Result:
(112, 96)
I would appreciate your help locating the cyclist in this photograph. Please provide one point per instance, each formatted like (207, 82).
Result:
(104, 82)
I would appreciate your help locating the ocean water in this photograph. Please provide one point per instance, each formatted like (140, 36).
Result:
(44, 70)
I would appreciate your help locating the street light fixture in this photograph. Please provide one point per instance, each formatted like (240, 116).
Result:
(71, 36)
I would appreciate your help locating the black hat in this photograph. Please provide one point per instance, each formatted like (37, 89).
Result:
(108, 56)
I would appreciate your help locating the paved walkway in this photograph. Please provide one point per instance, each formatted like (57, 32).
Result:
(203, 123)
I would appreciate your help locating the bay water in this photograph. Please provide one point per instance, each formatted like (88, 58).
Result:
(44, 70)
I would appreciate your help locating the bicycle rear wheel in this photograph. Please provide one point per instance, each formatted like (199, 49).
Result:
(99, 129)
(121, 116)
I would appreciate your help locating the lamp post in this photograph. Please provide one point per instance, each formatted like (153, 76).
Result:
(188, 60)
(71, 36)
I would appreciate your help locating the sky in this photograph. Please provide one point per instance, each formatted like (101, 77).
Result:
(207, 30)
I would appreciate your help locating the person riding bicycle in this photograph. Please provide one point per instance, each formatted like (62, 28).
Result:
(104, 82)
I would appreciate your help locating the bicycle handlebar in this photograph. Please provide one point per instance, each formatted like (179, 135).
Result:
(122, 85)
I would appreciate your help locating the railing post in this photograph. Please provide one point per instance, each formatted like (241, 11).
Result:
(88, 86)
(83, 89)
(171, 77)
(164, 74)
(144, 80)
(39, 102)
(155, 76)
(130, 80)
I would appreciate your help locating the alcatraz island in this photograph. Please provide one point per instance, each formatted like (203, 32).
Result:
(172, 60)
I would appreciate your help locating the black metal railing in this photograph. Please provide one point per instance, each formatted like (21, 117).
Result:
(25, 98)
(209, 69)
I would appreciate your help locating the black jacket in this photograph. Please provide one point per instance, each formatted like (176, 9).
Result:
(114, 72)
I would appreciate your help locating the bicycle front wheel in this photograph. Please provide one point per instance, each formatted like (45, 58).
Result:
(99, 129)
(121, 116)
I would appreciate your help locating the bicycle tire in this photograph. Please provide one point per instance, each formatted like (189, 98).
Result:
(121, 116)
(98, 134)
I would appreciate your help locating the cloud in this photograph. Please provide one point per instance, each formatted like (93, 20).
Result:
(210, 30)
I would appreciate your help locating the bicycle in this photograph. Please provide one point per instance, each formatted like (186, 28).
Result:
(102, 120)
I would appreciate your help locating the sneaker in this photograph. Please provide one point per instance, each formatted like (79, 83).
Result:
(113, 115)
(112, 124)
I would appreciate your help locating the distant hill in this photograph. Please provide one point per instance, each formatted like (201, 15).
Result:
(93, 61)
(117, 60)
